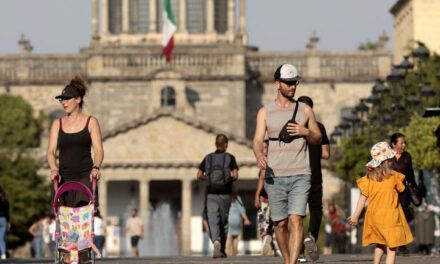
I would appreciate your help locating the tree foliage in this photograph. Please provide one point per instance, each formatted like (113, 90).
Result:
(421, 140)
(368, 45)
(18, 128)
(27, 192)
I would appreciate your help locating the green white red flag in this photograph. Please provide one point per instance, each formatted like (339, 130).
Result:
(169, 27)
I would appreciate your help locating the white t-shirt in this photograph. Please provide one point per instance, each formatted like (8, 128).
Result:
(99, 226)
(52, 229)
(135, 226)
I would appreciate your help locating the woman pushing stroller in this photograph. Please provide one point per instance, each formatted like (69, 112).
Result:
(74, 135)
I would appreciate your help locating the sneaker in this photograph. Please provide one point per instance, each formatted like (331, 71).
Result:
(217, 250)
(3, 256)
(301, 259)
(267, 245)
(311, 248)
(277, 253)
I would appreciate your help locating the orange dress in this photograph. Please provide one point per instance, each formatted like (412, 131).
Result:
(385, 222)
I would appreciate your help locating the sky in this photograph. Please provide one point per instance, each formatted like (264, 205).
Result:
(64, 26)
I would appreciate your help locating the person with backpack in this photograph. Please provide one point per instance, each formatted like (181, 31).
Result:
(219, 170)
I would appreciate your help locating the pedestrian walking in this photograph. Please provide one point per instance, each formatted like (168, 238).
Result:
(402, 162)
(291, 125)
(237, 211)
(74, 135)
(385, 224)
(99, 229)
(219, 170)
(135, 227)
(205, 229)
(316, 153)
(52, 233)
(36, 230)
(4, 222)
(338, 236)
(265, 224)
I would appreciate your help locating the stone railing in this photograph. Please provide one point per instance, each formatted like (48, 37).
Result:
(190, 66)
(322, 66)
(37, 69)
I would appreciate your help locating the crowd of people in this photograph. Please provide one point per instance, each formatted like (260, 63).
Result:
(288, 145)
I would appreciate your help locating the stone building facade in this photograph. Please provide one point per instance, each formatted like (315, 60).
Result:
(159, 120)
(415, 20)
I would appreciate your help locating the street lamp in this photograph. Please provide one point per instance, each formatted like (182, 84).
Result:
(405, 65)
(421, 53)
(362, 108)
(394, 78)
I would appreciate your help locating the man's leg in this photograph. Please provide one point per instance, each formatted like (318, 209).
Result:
(315, 207)
(214, 222)
(282, 236)
(295, 237)
(224, 205)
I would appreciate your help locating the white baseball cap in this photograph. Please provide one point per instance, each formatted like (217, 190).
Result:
(287, 72)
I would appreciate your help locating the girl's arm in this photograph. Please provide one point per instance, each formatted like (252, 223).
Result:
(353, 220)
(246, 219)
(259, 188)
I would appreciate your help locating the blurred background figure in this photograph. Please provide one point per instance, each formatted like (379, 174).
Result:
(36, 230)
(52, 231)
(205, 228)
(236, 213)
(328, 230)
(99, 229)
(4, 222)
(338, 236)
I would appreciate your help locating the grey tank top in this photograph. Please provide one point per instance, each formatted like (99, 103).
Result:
(285, 159)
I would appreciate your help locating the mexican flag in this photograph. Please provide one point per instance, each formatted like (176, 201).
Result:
(169, 27)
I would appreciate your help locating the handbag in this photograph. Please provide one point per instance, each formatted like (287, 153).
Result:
(414, 193)
(284, 135)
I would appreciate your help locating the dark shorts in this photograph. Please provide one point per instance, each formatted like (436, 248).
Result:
(134, 241)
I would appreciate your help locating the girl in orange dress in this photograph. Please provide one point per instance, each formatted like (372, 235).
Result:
(385, 223)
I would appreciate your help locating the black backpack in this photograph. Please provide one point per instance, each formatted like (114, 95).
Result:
(218, 173)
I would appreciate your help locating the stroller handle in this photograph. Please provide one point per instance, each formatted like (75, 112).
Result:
(73, 186)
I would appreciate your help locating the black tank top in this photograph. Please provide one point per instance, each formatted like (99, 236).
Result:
(75, 154)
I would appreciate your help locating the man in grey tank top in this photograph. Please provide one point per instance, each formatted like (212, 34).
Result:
(288, 175)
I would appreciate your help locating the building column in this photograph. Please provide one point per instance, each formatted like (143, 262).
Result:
(104, 16)
(186, 217)
(144, 198)
(102, 185)
(153, 17)
(242, 25)
(95, 14)
(182, 17)
(125, 16)
(210, 17)
(231, 17)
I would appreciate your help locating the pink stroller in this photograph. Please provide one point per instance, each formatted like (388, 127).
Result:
(74, 226)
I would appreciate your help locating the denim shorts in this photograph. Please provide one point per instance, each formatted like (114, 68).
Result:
(287, 195)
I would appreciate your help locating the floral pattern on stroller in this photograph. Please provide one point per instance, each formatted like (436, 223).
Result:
(74, 232)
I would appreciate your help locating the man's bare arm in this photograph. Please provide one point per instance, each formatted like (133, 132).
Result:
(258, 141)
(314, 136)
(325, 151)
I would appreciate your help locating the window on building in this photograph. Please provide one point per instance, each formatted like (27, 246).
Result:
(168, 97)
(221, 16)
(195, 16)
(115, 16)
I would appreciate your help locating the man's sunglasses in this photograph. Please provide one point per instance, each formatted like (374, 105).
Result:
(290, 83)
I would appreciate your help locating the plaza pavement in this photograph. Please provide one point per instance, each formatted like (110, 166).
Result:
(333, 259)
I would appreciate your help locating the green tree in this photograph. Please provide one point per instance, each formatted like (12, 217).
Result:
(27, 192)
(18, 128)
(421, 141)
(368, 45)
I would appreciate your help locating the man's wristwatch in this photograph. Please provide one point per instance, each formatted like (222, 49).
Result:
(95, 167)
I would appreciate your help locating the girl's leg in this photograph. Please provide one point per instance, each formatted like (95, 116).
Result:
(391, 256)
(234, 245)
(228, 245)
(378, 253)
